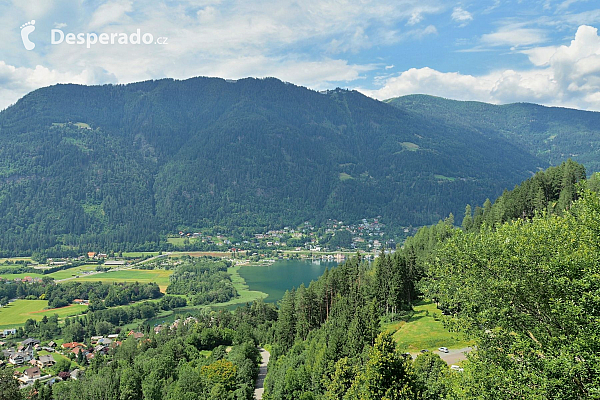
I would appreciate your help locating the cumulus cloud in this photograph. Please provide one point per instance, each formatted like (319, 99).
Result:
(560, 76)
(462, 16)
(15, 81)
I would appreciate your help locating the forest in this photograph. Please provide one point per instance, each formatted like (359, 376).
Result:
(118, 167)
(519, 278)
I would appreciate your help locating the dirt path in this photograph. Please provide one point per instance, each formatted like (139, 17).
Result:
(262, 372)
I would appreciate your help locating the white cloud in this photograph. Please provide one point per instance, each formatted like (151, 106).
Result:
(415, 18)
(15, 81)
(512, 35)
(560, 76)
(462, 16)
(114, 12)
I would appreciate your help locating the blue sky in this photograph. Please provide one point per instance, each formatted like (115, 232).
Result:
(546, 51)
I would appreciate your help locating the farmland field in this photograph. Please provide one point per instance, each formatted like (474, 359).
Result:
(16, 313)
(63, 274)
(160, 276)
(21, 276)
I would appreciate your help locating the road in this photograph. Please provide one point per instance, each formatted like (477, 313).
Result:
(262, 372)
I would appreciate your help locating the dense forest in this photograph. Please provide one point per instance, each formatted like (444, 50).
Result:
(119, 167)
(552, 134)
(203, 281)
(522, 283)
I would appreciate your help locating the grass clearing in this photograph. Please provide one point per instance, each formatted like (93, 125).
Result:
(444, 178)
(422, 331)
(16, 313)
(160, 276)
(344, 176)
(410, 146)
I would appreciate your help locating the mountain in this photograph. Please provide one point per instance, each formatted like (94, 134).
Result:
(119, 166)
(552, 134)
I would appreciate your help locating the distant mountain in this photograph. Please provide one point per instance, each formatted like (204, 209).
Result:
(118, 166)
(550, 133)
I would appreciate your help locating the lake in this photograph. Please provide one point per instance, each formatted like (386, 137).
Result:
(283, 275)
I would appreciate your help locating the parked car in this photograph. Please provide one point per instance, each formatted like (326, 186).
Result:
(456, 368)
(424, 351)
(443, 349)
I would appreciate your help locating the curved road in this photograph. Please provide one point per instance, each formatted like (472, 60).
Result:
(262, 372)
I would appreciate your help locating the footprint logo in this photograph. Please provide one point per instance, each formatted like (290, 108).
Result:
(26, 29)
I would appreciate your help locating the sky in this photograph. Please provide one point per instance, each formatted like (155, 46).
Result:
(540, 51)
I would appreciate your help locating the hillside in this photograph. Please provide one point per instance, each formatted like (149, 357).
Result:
(552, 134)
(118, 166)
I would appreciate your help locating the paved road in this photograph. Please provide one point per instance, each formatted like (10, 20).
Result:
(262, 372)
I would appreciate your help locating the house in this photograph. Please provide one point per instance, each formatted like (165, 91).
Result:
(104, 341)
(30, 342)
(136, 335)
(18, 357)
(95, 339)
(33, 373)
(113, 263)
(78, 350)
(81, 301)
(45, 361)
(72, 345)
(7, 332)
(75, 374)
(100, 349)
(52, 344)
(91, 254)
(113, 336)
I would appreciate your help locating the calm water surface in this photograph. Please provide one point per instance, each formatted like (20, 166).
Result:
(282, 275)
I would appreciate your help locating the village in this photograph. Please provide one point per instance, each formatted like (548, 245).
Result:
(50, 362)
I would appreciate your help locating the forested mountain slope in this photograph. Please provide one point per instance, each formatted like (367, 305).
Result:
(95, 166)
(552, 134)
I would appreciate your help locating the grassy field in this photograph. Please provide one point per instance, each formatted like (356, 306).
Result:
(71, 272)
(13, 259)
(160, 276)
(16, 313)
(422, 331)
(21, 276)
(139, 254)
(63, 274)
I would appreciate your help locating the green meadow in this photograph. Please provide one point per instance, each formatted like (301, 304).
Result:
(423, 331)
(16, 313)
(160, 276)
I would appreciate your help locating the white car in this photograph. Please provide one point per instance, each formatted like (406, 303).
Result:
(456, 368)
(443, 349)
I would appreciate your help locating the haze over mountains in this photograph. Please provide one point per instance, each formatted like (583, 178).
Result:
(124, 164)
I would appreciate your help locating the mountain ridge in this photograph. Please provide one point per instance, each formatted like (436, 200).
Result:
(121, 165)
